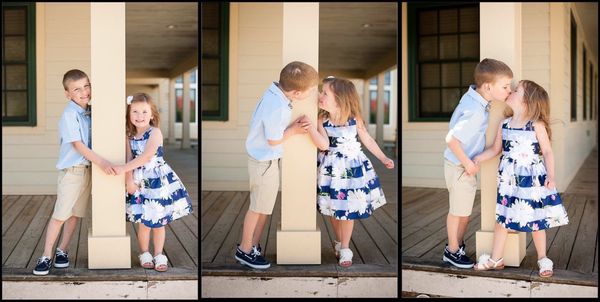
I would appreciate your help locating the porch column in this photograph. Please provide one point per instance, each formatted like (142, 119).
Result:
(366, 105)
(109, 245)
(185, 116)
(172, 103)
(380, 104)
(298, 235)
(501, 43)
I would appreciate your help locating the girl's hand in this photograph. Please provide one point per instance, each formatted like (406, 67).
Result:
(119, 170)
(550, 184)
(132, 187)
(388, 163)
(106, 167)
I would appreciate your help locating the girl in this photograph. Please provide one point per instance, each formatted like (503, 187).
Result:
(527, 200)
(348, 187)
(156, 196)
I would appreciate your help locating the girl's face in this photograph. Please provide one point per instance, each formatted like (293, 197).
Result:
(327, 99)
(515, 99)
(140, 114)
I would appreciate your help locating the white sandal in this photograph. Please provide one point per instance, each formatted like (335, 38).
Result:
(337, 247)
(159, 260)
(545, 265)
(482, 263)
(345, 257)
(146, 260)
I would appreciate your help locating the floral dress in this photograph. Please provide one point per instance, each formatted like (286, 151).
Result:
(523, 202)
(347, 185)
(162, 197)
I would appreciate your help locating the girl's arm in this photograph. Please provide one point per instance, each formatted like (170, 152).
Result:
(546, 148)
(149, 151)
(371, 145)
(318, 135)
(492, 150)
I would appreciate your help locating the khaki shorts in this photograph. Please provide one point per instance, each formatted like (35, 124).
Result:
(462, 189)
(264, 184)
(74, 192)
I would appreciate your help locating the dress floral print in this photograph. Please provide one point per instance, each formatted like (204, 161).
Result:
(347, 185)
(523, 202)
(162, 197)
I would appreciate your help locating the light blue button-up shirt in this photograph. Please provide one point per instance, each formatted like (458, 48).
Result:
(468, 124)
(270, 119)
(75, 124)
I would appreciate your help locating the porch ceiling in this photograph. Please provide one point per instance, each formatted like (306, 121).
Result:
(150, 45)
(588, 12)
(348, 48)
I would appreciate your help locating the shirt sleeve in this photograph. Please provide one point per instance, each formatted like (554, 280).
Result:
(274, 125)
(69, 128)
(467, 126)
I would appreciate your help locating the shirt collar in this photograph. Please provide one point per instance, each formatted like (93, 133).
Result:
(78, 108)
(277, 91)
(478, 98)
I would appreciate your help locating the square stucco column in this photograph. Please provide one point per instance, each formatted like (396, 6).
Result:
(500, 38)
(109, 246)
(298, 236)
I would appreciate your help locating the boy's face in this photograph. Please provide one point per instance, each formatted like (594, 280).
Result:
(500, 89)
(301, 95)
(80, 91)
(140, 114)
(327, 99)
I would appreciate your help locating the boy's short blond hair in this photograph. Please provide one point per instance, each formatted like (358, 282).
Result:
(298, 76)
(73, 75)
(488, 70)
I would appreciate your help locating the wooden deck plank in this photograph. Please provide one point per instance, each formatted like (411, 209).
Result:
(224, 245)
(391, 209)
(174, 250)
(582, 257)
(191, 223)
(209, 201)
(270, 248)
(186, 238)
(13, 212)
(135, 248)
(357, 259)
(211, 217)
(382, 240)
(561, 248)
(408, 209)
(327, 245)
(390, 226)
(365, 246)
(8, 201)
(82, 250)
(437, 202)
(212, 243)
(45, 217)
(17, 229)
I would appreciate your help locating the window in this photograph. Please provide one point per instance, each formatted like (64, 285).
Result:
(585, 94)
(373, 99)
(18, 64)
(573, 69)
(179, 98)
(214, 60)
(443, 53)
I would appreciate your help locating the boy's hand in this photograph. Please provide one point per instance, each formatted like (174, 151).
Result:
(132, 187)
(119, 170)
(550, 183)
(477, 160)
(107, 167)
(471, 168)
(300, 125)
(388, 163)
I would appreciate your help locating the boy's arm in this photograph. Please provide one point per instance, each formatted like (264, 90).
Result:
(319, 136)
(297, 127)
(149, 151)
(546, 148)
(454, 145)
(371, 145)
(493, 150)
(93, 157)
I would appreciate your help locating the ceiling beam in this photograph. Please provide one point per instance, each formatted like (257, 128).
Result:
(189, 62)
(384, 63)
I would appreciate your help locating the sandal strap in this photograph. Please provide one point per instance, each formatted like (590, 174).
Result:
(346, 255)
(545, 264)
(145, 257)
(160, 259)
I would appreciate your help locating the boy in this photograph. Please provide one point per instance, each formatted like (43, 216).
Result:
(466, 139)
(268, 130)
(74, 176)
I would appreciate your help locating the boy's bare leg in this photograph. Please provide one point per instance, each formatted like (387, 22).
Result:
(68, 230)
(258, 230)
(337, 230)
(51, 234)
(463, 223)
(539, 240)
(452, 226)
(250, 222)
(143, 236)
(346, 227)
(500, 234)
(158, 239)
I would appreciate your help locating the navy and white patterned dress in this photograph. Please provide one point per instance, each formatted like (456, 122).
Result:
(347, 185)
(523, 202)
(162, 197)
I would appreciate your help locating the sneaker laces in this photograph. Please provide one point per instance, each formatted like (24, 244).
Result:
(60, 252)
(255, 251)
(42, 259)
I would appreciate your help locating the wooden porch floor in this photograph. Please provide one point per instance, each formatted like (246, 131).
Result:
(25, 217)
(374, 240)
(573, 248)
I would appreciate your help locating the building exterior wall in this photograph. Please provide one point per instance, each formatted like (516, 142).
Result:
(255, 54)
(545, 60)
(29, 154)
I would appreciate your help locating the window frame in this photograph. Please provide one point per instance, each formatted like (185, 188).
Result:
(31, 67)
(573, 69)
(223, 113)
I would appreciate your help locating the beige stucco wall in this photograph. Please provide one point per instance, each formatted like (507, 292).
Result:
(29, 154)
(255, 55)
(545, 61)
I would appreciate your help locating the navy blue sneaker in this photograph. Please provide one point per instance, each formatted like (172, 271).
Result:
(461, 248)
(256, 249)
(61, 259)
(253, 259)
(43, 266)
(458, 259)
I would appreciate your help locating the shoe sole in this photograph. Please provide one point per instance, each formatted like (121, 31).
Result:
(445, 259)
(43, 273)
(61, 265)
(244, 262)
